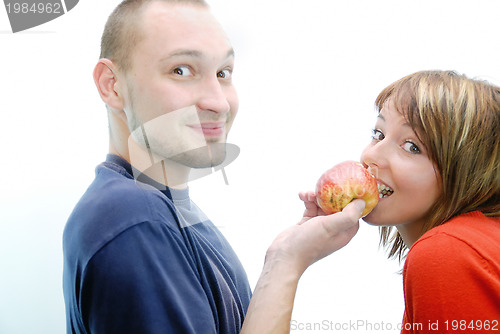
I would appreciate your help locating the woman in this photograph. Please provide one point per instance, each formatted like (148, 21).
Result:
(436, 152)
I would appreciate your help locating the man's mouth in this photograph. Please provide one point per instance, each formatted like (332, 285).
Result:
(384, 190)
(210, 129)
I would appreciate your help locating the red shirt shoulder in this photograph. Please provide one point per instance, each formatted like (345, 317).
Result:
(453, 273)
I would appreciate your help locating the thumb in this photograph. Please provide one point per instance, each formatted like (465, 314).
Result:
(354, 209)
(346, 220)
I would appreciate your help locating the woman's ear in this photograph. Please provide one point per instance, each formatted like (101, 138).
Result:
(106, 81)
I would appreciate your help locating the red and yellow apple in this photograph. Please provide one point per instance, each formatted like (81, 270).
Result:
(343, 183)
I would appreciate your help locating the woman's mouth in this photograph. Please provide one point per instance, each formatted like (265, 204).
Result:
(384, 190)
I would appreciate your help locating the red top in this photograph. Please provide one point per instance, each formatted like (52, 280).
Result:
(452, 278)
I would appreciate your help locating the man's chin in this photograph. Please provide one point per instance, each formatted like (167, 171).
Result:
(208, 156)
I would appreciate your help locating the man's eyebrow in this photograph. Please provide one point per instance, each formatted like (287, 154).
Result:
(184, 52)
(230, 53)
(193, 53)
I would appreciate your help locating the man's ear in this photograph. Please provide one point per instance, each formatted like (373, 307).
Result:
(107, 84)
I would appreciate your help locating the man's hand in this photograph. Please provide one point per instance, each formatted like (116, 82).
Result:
(291, 253)
(317, 235)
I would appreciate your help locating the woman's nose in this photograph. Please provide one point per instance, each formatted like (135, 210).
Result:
(374, 156)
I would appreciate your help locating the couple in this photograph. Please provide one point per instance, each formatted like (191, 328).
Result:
(141, 257)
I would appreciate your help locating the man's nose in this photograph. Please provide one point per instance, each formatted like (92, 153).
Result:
(213, 97)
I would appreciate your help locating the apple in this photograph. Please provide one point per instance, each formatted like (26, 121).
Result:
(343, 183)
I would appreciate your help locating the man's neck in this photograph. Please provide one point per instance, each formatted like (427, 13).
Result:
(161, 170)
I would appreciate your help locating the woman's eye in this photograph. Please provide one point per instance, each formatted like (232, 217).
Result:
(377, 135)
(182, 71)
(224, 74)
(411, 147)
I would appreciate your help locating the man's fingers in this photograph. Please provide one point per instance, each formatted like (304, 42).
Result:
(307, 196)
(348, 218)
(312, 209)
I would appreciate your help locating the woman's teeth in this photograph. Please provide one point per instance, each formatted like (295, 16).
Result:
(384, 191)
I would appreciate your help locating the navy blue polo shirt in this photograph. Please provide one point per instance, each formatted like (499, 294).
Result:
(142, 260)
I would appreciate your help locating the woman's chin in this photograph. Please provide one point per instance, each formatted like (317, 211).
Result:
(371, 218)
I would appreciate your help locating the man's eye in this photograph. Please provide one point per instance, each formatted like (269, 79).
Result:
(411, 147)
(377, 135)
(224, 74)
(182, 71)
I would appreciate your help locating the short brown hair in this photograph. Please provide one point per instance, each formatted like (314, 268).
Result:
(458, 121)
(122, 33)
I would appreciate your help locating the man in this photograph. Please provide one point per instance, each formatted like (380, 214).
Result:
(139, 256)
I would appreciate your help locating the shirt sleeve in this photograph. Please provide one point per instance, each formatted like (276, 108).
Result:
(448, 285)
(144, 281)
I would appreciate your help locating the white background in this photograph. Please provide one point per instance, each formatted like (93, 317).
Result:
(307, 74)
